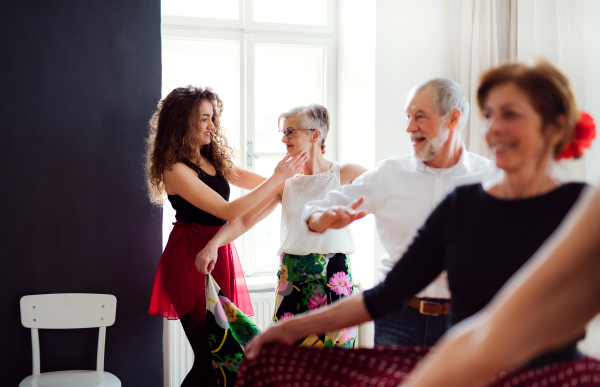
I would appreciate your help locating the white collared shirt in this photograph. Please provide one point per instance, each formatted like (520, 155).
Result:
(401, 192)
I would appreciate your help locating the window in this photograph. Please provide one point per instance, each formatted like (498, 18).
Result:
(262, 57)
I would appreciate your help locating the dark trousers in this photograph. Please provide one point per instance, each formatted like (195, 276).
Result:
(408, 327)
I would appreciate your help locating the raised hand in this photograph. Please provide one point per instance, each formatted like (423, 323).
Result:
(336, 217)
(290, 165)
(206, 259)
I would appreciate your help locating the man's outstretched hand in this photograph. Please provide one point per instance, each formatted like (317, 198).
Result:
(336, 217)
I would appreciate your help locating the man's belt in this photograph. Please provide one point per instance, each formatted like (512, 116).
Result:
(429, 308)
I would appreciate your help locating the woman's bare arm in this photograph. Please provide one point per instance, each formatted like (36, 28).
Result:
(207, 257)
(543, 307)
(183, 181)
(246, 179)
(349, 172)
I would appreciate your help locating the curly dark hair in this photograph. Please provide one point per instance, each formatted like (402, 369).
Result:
(172, 138)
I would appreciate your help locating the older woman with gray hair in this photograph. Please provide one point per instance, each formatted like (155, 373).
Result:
(315, 267)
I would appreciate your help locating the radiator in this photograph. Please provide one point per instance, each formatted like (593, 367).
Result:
(263, 305)
(178, 355)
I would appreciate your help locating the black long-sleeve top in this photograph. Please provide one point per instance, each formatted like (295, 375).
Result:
(481, 241)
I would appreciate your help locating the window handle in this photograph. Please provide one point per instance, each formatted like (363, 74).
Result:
(250, 153)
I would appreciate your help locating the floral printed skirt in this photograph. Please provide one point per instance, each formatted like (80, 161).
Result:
(309, 282)
(229, 330)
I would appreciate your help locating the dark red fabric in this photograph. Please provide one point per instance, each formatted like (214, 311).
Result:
(290, 366)
(282, 365)
(583, 372)
(179, 288)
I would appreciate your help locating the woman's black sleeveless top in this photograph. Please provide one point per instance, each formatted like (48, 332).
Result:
(188, 213)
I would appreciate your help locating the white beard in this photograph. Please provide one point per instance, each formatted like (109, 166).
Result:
(432, 147)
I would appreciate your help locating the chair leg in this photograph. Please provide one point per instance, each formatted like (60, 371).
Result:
(35, 350)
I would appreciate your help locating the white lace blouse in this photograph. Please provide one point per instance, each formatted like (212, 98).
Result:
(295, 237)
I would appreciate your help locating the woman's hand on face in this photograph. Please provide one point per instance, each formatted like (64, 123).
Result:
(289, 166)
(337, 217)
(206, 259)
(274, 334)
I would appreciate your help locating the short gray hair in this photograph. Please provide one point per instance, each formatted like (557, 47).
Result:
(447, 96)
(313, 116)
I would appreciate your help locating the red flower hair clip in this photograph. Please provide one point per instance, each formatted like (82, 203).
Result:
(583, 134)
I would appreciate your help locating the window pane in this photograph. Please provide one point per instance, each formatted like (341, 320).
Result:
(285, 77)
(311, 12)
(267, 231)
(206, 63)
(222, 9)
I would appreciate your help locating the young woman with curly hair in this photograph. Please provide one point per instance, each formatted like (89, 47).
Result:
(189, 160)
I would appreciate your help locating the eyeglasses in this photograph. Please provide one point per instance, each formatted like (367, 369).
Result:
(289, 133)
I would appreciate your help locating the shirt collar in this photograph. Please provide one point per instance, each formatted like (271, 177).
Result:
(421, 166)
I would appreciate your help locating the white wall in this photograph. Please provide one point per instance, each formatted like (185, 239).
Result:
(413, 44)
(356, 111)
(356, 120)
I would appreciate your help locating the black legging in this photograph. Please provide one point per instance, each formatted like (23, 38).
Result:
(202, 372)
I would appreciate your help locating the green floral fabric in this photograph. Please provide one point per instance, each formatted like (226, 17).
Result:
(309, 282)
(229, 330)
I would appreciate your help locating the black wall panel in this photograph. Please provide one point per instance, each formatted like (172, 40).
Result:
(78, 81)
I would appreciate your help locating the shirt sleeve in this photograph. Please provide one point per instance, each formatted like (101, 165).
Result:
(365, 185)
(422, 262)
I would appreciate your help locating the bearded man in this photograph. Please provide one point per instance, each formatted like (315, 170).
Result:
(401, 192)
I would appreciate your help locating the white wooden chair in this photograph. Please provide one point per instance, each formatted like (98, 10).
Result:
(69, 311)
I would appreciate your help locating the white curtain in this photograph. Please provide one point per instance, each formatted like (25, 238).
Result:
(491, 32)
(478, 49)
(553, 29)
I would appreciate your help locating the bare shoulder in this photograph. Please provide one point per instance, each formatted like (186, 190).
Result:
(178, 169)
(278, 191)
(176, 175)
(350, 171)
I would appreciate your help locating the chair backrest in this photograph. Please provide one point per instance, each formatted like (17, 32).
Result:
(68, 311)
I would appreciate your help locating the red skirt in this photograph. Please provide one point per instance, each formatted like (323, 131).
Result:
(179, 289)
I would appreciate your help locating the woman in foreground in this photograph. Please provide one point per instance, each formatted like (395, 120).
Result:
(315, 268)
(552, 298)
(188, 159)
(481, 236)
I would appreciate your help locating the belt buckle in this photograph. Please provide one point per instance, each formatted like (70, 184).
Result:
(422, 311)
